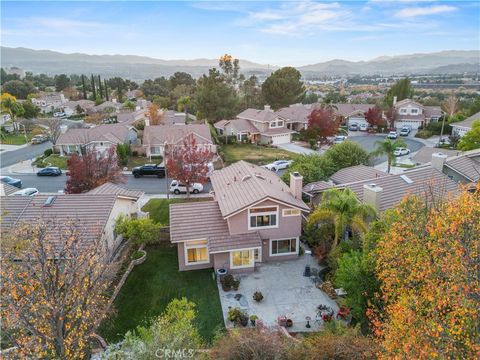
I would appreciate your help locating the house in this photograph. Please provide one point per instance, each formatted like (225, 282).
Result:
(71, 107)
(253, 217)
(352, 113)
(126, 198)
(96, 214)
(106, 106)
(384, 192)
(296, 115)
(100, 138)
(49, 102)
(272, 127)
(157, 137)
(242, 129)
(462, 127)
(414, 114)
(424, 155)
(7, 189)
(464, 169)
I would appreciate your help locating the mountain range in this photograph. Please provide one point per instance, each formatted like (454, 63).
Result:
(142, 67)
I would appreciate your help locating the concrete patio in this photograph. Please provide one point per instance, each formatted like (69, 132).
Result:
(286, 292)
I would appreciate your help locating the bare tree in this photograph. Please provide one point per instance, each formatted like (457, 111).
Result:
(54, 128)
(449, 106)
(55, 274)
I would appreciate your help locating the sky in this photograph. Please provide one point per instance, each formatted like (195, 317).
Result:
(275, 32)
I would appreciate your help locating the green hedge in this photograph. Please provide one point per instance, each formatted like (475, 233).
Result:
(424, 134)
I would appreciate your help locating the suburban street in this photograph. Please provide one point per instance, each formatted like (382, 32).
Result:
(25, 153)
(150, 185)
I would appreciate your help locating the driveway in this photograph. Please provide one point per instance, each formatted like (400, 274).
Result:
(296, 149)
(286, 293)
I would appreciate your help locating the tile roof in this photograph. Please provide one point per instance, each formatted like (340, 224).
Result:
(396, 187)
(160, 134)
(114, 133)
(7, 189)
(297, 112)
(356, 173)
(468, 122)
(317, 186)
(91, 211)
(241, 125)
(346, 109)
(113, 189)
(242, 184)
(208, 223)
(467, 165)
(424, 155)
(84, 104)
(265, 115)
(432, 111)
(277, 131)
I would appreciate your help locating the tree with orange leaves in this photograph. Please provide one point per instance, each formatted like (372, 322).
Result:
(428, 264)
(154, 114)
(53, 288)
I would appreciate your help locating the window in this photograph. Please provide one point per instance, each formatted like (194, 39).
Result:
(414, 111)
(220, 131)
(257, 255)
(155, 149)
(240, 259)
(291, 212)
(276, 124)
(403, 111)
(263, 217)
(196, 252)
(283, 247)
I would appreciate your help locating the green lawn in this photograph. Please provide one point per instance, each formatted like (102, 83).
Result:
(255, 154)
(56, 160)
(153, 284)
(159, 208)
(14, 139)
(142, 160)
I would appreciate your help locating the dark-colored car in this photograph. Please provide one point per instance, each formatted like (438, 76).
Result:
(149, 169)
(11, 181)
(50, 171)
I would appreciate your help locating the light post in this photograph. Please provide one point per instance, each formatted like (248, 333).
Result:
(443, 125)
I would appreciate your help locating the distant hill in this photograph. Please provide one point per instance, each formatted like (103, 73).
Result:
(142, 67)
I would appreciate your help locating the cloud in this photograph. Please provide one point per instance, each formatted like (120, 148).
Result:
(424, 11)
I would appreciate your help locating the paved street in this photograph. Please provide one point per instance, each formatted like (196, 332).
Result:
(150, 185)
(26, 153)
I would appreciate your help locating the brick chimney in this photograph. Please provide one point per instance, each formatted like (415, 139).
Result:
(296, 184)
(372, 195)
(438, 160)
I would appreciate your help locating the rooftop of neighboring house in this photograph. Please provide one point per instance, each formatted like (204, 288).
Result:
(242, 184)
(114, 189)
(428, 111)
(467, 165)
(113, 133)
(356, 173)
(208, 222)
(297, 112)
(161, 134)
(405, 102)
(7, 189)
(468, 122)
(51, 97)
(264, 115)
(424, 155)
(171, 117)
(105, 105)
(346, 109)
(90, 211)
(84, 104)
(432, 111)
(241, 125)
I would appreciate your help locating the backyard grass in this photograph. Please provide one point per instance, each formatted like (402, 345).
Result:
(153, 284)
(159, 208)
(255, 154)
(14, 139)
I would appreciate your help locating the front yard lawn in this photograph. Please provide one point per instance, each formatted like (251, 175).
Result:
(255, 154)
(153, 284)
(57, 160)
(14, 139)
(142, 160)
(159, 208)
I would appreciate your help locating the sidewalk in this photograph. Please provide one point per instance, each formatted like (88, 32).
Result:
(4, 148)
(23, 167)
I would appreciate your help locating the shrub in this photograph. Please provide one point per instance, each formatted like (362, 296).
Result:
(436, 128)
(424, 134)
(237, 316)
(37, 131)
(139, 231)
(319, 236)
(140, 125)
(122, 154)
(227, 282)
(135, 153)
(257, 296)
(48, 152)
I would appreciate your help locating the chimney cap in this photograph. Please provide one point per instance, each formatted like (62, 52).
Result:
(296, 174)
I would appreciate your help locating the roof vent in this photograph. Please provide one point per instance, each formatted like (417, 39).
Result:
(406, 179)
(246, 177)
(50, 200)
(260, 176)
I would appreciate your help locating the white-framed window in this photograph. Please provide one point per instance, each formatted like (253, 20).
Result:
(257, 254)
(291, 212)
(403, 111)
(414, 111)
(263, 217)
(155, 149)
(279, 247)
(196, 252)
(220, 131)
(241, 259)
(276, 124)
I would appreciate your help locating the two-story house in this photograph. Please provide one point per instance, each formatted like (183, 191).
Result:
(254, 217)
(414, 114)
(49, 102)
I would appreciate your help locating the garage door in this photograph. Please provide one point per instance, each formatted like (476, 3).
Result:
(280, 139)
(359, 121)
(414, 124)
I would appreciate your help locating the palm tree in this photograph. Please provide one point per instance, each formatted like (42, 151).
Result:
(388, 147)
(344, 210)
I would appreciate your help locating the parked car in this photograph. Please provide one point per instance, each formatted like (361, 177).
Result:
(50, 171)
(278, 165)
(59, 114)
(26, 192)
(39, 139)
(392, 135)
(339, 139)
(401, 151)
(353, 127)
(149, 169)
(405, 131)
(11, 181)
(363, 127)
(176, 187)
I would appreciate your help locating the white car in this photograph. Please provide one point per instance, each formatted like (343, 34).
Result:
(59, 114)
(26, 192)
(401, 151)
(363, 127)
(176, 187)
(392, 135)
(339, 139)
(278, 165)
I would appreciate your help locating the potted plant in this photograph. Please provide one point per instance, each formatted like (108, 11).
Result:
(227, 282)
(234, 315)
(253, 319)
(257, 296)
(236, 284)
(243, 320)
(289, 323)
